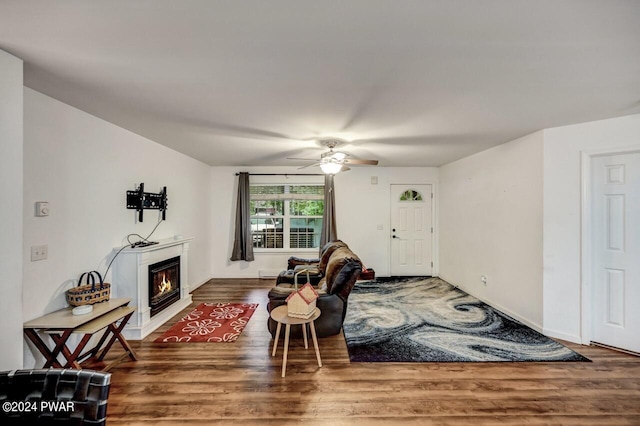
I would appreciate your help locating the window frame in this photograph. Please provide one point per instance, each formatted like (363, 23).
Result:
(287, 197)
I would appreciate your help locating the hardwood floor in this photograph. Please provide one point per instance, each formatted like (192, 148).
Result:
(239, 383)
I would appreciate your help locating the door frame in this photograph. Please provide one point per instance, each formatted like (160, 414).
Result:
(434, 224)
(586, 234)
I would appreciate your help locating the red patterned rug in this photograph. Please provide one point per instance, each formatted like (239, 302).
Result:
(211, 322)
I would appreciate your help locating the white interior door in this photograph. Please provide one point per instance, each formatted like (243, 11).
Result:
(615, 212)
(411, 230)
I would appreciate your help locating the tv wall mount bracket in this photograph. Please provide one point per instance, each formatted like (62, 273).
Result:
(140, 201)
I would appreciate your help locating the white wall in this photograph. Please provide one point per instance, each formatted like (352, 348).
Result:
(11, 141)
(224, 189)
(491, 224)
(360, 208)
(562, 214)
(83, 166)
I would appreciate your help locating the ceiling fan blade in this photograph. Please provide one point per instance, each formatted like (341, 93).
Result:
(356, 161)
(308, 165)
(345, 168)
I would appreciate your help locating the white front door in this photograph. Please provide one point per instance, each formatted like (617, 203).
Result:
(615, 212)
(411, 230)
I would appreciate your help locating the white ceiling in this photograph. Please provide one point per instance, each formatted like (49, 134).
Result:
(411, 83)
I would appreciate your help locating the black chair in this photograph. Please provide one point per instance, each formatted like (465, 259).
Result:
(54, 396)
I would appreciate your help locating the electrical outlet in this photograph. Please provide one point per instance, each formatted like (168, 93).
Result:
(39, 252)
(483, 279)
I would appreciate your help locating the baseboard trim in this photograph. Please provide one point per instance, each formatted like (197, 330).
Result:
(562, 336)
(533, 325)
(244, 277)
(546, 331)
(268, 273)
(194, 287)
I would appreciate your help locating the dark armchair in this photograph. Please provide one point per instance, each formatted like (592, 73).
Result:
(54, 396)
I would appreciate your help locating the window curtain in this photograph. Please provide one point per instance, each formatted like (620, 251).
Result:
(329, 232)
(243, 243)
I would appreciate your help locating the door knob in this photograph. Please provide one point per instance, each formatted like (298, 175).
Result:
(394, 229)
(393, 236)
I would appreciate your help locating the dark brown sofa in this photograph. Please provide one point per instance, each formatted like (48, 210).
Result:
(315, 266)
(338, 269)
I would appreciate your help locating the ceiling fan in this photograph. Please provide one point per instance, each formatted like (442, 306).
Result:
(333, 162)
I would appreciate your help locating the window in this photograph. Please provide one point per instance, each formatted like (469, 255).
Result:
(410, 195)
(286, 216)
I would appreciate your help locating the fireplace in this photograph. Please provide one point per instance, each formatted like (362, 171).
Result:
(164, 284)
(133, 279)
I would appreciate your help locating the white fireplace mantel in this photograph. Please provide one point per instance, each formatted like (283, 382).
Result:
(131, 280)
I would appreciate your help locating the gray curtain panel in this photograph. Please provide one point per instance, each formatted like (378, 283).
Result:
(329, 231)
(243, 243)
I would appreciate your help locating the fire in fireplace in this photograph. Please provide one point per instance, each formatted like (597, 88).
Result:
(164, 284)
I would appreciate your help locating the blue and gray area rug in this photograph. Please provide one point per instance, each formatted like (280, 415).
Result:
(429, 320)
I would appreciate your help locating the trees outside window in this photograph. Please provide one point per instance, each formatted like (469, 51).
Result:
(286, 216)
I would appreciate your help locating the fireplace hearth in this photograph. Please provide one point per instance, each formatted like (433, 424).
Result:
(164, 284)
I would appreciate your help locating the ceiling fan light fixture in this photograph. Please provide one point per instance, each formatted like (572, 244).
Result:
(330, 168)
(339, 156)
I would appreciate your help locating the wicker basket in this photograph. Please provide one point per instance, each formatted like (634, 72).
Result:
(91, 292)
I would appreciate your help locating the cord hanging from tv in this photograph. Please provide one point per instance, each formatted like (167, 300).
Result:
(140, 201)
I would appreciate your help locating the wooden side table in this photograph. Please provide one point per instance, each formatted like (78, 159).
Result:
(280, 315)
(110, 316)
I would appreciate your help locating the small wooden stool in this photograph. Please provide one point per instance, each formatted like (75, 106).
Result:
(280, 315)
